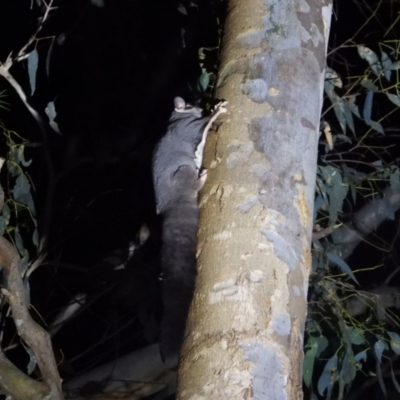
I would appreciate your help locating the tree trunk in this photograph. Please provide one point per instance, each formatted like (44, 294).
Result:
(245, 330)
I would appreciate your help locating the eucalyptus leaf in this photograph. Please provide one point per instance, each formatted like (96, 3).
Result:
(395, 66)
(328, 172)
(349, 370)
(354, 108)
(335, 259)
(51, 113)
(368, 84)
(356, 336)
(33, 62)
(21, 187)
(51, 110)
(395, 99)
(308, 361)
(204, 80)
(332, 78)
(21, 156)
(377, 126)
(334, 379)
(362, 355)
(371, 57)
(379, 348)
(27, 199)
(336, 190)
(337, 106)
(32, 361)
(368, 106)
(325, 378)
(337, 194)
(322, 344)
(386, 63)
(394, 342)
(367, 54)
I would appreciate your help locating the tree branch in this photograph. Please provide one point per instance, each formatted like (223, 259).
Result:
(367, 220)
(17, 384)
(31, 333)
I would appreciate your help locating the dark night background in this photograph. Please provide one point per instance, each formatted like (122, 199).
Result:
(113, 72)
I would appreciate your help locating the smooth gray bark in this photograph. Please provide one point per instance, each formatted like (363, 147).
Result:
(245, 331)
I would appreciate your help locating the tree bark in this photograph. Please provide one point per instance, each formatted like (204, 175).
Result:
(244, 337)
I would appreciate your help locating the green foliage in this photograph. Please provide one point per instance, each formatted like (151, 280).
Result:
(208, 58)
(17, 219)
(352, 342)
(343, 341)
(313, 349)
(333, 189)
